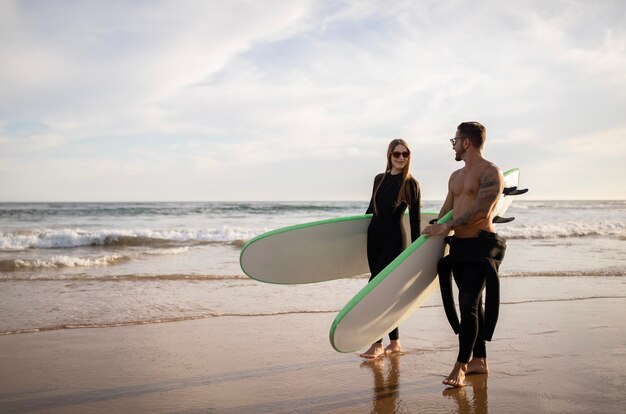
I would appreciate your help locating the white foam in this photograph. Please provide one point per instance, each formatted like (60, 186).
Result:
(66, 261)
(165, 252)
(69, 238)
(562, 230)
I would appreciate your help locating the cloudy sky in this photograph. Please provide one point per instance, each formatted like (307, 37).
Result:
(297, 100)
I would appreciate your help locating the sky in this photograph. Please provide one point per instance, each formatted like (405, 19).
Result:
(297, 100)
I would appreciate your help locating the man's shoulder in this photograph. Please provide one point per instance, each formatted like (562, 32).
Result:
(456, 174)
(490, 169)
(490, 176)
(491, 165)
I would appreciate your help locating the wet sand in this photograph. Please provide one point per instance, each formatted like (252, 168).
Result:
(556, 356)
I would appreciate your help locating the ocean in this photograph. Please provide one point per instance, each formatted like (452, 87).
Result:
(74, 265)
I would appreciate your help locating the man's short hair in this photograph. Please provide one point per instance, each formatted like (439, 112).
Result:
(475, 132)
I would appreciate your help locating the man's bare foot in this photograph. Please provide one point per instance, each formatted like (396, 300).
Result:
(393, 348)
(477, 366)
(375, 351)
(457, 376)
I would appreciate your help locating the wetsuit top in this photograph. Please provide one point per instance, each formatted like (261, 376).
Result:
(389, 215)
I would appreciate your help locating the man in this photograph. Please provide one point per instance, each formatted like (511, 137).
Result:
(475, 250)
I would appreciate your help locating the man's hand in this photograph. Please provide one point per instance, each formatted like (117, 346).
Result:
(436, 229)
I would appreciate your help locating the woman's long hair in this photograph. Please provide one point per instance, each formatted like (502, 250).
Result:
(402, 196)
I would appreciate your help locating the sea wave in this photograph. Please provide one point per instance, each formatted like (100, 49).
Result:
(568, 273)
(56, 262)
(71, 238)
(60, 261)
(576, 205)
(564, 230)
(238, 236)
(31, 212)
(118, 278)
(34, 211)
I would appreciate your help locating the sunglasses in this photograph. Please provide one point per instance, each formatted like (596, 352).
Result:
(454, 140)
(396, 154)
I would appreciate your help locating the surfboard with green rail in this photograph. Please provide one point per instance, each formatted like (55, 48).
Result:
(314, 252)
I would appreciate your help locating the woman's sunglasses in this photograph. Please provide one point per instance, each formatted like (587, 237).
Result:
(396, 154)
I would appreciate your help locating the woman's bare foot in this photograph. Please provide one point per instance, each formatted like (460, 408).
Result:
(457, 376)
(393, 348)
(375, 351)
(477, 366)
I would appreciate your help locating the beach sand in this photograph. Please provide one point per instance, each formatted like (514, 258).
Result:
(554, 356)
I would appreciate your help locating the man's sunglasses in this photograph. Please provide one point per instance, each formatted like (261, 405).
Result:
(454, 140)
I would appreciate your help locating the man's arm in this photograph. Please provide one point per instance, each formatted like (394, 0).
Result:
(490, 187)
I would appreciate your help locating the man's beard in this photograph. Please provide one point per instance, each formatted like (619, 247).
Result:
(458, 156)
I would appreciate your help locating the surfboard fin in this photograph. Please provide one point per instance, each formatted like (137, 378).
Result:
(508, 191)
(500, 220)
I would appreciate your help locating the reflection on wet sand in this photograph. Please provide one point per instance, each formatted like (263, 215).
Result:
(477, 404)
(471, 399)
(386, 384)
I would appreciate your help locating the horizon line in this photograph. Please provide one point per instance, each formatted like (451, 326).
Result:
(277, 201)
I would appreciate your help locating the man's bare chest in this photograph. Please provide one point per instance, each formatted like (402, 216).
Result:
(465, 185)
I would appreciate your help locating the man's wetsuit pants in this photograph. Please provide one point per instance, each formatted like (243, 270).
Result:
(470, 279)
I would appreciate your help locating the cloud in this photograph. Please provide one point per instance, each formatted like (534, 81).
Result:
(173, 88)
(607, 144)
(118, 60)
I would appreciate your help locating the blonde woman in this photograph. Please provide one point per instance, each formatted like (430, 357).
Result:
(394, 191)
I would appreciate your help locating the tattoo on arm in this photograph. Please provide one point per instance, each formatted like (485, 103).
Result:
(488, 193)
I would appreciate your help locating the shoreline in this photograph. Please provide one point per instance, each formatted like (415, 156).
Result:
(546, 356)
(20, 317)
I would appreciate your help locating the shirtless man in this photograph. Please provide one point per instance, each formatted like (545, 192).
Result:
(473, 192)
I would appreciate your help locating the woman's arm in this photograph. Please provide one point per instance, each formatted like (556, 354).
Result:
(415, 208)
(370, 208)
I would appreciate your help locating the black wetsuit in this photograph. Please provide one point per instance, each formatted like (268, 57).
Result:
(385, 235)
(474, 263)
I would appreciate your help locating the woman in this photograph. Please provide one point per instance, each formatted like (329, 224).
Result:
(394, 191)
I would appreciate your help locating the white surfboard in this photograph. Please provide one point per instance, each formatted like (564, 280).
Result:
(399, 289)
(314, 252)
